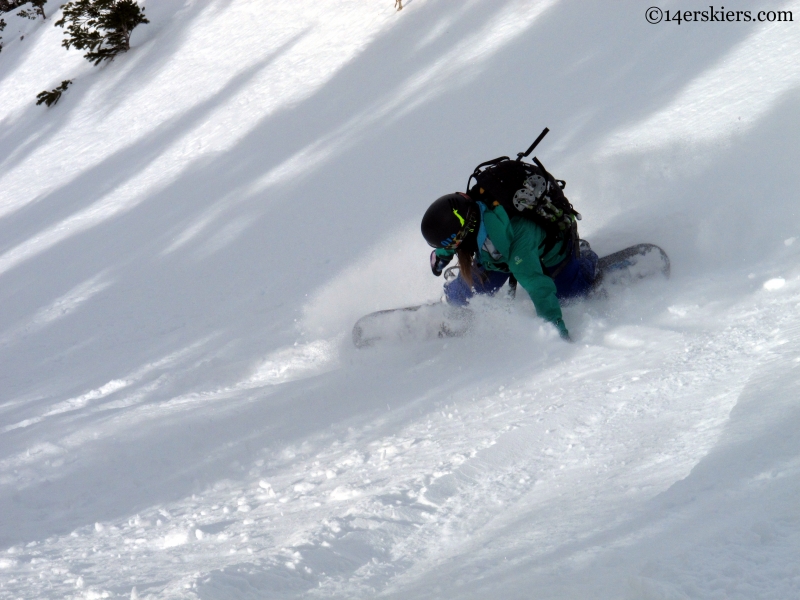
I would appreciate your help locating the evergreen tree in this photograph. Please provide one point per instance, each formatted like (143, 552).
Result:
(36, 10)
(9, 5)
(53, 96)
(103, 27)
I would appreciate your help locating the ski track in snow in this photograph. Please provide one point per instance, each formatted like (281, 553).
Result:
(187, 237)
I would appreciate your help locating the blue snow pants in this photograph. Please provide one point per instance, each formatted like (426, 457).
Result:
(573, 279)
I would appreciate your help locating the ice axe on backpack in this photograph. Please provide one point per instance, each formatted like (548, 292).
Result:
(521, 155)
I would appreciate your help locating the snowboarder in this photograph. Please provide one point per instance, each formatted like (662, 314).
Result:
(492, 247)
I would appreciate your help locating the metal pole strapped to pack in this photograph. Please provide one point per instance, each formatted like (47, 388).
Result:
(535, 143)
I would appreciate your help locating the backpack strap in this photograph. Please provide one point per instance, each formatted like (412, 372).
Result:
(482, 229)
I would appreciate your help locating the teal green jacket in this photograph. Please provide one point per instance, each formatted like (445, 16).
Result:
(512, 244)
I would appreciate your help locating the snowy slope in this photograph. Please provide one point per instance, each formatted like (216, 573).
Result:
(188, 236)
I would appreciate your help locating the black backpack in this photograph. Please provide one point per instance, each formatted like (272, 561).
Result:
(530, 191)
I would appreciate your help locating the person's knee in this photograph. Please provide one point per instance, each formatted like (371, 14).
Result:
(490, 282)
(576, 279)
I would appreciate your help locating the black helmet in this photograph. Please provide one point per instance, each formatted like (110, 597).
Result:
(449, 220)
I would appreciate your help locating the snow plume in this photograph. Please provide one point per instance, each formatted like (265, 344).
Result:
(389, 275)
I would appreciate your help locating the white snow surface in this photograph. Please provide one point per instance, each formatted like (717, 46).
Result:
(187, 237)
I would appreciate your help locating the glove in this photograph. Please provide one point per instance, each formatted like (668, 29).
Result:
(562, 330)
(438, 264)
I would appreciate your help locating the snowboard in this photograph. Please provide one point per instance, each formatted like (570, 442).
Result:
(440, 320)
(632, 264)
(422, 322)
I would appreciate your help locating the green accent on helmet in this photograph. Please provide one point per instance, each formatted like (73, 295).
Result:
(443, 225)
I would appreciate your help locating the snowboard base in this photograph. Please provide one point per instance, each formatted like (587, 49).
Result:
(632, 264)
(426, 321)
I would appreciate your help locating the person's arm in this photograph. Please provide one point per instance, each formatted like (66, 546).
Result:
(440, 258)
(525, 265)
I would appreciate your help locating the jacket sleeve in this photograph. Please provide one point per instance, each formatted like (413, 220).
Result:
(525, 265)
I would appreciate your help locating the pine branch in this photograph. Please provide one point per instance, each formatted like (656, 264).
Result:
(53, 96)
